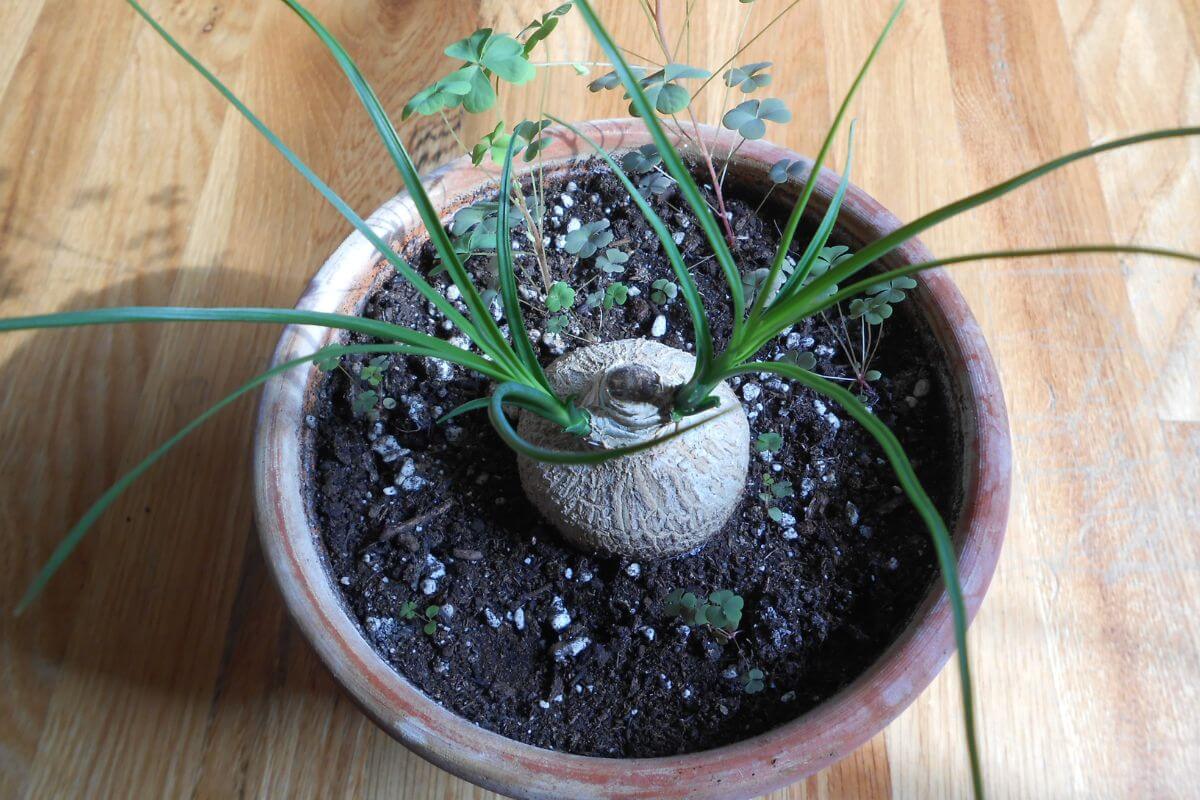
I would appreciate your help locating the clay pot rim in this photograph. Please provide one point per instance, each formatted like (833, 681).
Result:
(752, 766)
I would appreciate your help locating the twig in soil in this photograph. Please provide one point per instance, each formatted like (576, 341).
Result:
(393, 532)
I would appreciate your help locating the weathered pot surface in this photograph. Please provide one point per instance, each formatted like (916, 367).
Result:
(753, 766)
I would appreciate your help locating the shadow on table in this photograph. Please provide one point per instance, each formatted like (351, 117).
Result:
(169, 590)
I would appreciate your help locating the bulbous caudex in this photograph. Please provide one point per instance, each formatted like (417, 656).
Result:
(658, 502)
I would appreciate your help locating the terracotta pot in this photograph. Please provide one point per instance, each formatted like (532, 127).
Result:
(753, 766)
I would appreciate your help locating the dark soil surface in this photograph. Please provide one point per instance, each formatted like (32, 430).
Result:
(414, 514)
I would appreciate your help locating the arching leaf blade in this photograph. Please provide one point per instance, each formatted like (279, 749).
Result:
(77, 532)
(942, 544)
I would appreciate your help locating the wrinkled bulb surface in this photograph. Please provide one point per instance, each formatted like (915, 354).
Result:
(662, 501)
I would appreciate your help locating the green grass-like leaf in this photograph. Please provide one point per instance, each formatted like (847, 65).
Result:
(885, 245)
(793, 223)
(811, 297)
(812, 252)
(866, 284)
(490, 339)
(687, 285)
(401, 266)
(942, 544)
(672, 161)
(422, 344)
(508, 278)
(74, 536)
(512, 393)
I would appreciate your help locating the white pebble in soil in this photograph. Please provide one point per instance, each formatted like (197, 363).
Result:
(429, 587)
(389, 449)
(554, 343)
(560, 619)
(751, 392)
(565, 650)
(437, 570)
(659, 326)
(633, 570)
(573, 225)
(490, 617)
(786, 520)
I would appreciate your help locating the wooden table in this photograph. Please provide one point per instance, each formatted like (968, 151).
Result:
(160, 663)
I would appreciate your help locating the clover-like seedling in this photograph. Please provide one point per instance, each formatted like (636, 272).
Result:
(750, 118)
(681, 603)
(615, 294)
(641, 160)
(495, 144)
(431, 613)
(408, 610)
(447, 92)
(877, 307)
(557, 323)
(752, 681)
(724, 610)
(487, 55)
(663, 291)
(372, 373)
(663, 91)
(365, 401)
(531, 142)
(755, 280)
(655, 183)
(874, 310)
(775, 490)
(612, 261)
(585, 240)
(786, 169)
(561, 297)
(540, 28)
(768, 442)
(801, 358)
(611, 80)
(474, 227)
(498, 53)
(749, 77)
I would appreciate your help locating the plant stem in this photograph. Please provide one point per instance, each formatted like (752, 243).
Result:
(705, 154)
(535, 236)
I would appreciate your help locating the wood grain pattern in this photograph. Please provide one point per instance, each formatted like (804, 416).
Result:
(160, 662)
